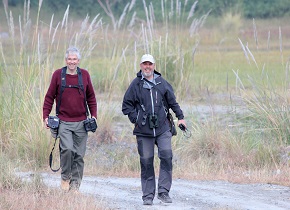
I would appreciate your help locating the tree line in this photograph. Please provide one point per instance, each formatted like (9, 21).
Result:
(247, 8)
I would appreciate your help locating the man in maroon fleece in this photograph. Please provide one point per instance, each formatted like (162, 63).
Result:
(72, 113)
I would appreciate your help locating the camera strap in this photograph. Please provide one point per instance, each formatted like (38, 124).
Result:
(51, 157)
(79, 86)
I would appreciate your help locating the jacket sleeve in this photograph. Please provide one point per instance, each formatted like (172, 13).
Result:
(172, 103)
(91, 97)
(50, 96)
(129, 104)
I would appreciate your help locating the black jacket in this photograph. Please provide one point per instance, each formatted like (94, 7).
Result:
(140, 103)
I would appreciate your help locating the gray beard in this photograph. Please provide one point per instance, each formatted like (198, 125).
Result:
(147, 74)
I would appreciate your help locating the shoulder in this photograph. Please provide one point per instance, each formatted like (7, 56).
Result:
(56, 73)
(134, 84)
(136, 81)
(161, 80)
(164, 84)
(85, 73)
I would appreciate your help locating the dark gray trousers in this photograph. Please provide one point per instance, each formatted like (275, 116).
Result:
(146, 152)
(73, 140)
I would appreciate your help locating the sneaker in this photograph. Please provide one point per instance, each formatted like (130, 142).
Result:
(164, 197)
(148, 201)
(74, 186)
(75, 191)
(64, 185)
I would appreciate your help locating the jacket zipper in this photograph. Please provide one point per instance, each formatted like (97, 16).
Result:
(153, 111)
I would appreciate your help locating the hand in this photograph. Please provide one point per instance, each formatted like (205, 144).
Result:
(183, 127)
(46, 123)
(181, 122)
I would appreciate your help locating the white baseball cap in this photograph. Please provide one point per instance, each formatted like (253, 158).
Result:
(147, 57)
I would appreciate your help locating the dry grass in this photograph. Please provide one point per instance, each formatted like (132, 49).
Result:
(201, 170)
(47, 199)
(237, 154)
(32, 193)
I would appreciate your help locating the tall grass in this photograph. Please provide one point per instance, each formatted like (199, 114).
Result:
(251, 141)
(37, 50)
(268, 102)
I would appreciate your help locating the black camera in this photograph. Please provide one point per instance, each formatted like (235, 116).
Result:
(182, 127)
(90, 124)
(153, 121)
(53, 122)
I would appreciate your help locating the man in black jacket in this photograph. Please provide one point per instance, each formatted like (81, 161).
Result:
(147, 102)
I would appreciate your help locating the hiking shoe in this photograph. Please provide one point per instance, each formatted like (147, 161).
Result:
(64, 185)
(74, 186)
(148, 201)
(75, 191)
(164, 197)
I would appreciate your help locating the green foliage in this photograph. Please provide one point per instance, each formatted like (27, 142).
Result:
(265, 8)
(248, 8)
(219, 7)
(77, 8)
(14, 3)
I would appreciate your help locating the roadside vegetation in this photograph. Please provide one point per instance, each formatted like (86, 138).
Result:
(227, 61)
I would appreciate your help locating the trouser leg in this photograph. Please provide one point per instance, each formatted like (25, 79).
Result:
(163, 143)
(66, 150)
(146, 153)
(73, 146)
(80, 140)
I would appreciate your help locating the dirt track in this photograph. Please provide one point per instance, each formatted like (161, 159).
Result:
(125, 193)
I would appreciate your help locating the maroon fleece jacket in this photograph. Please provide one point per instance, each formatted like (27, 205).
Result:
(72, 108)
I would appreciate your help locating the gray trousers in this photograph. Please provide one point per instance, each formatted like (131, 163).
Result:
(146, 152)
(73, 140)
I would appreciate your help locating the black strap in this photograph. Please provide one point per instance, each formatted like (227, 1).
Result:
(81, 86)
(51, 157)
(63, 86)
(163, 97)
(141, 99)
(182, 127)
(155, 86)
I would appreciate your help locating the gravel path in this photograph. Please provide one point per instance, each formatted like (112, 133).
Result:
(125, 193)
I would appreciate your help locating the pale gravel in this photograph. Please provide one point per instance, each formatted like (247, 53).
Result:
(125, 193)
